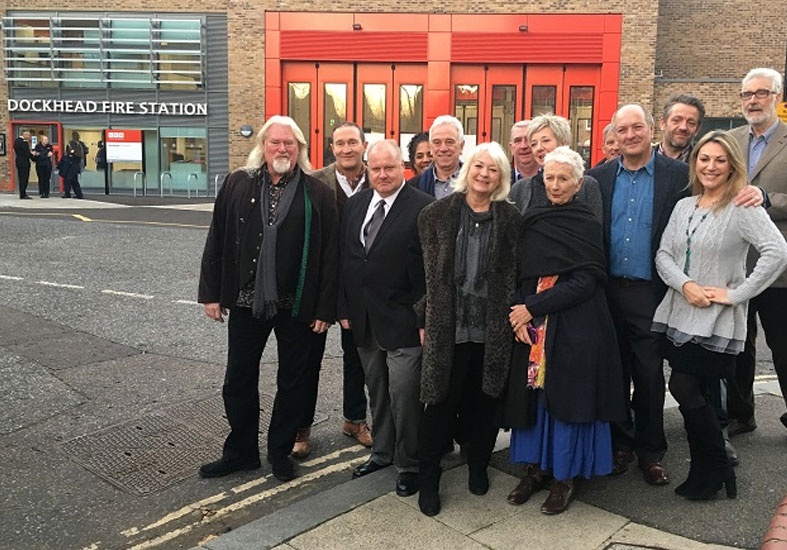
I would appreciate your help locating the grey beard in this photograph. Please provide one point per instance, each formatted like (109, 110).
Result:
(281, 166)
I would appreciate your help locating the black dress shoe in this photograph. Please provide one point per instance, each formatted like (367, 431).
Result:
(223, 467)
(282, 468)
(783, 419)
(737, 427)
(368, 467)
(620, 461)
(407, 484)
(26, 198)
(732, 454)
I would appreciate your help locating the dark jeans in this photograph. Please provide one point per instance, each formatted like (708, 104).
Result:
(23, 170)
(295, 381)
(44, 177)
(632, 309)
(475, 409)
(771, 306)
(354, 394)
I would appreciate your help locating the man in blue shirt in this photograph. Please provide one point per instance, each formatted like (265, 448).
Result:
(639, 191)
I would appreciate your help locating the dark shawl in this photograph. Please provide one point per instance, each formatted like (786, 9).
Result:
(583, 378)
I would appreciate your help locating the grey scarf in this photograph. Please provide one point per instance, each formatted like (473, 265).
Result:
(266, 292)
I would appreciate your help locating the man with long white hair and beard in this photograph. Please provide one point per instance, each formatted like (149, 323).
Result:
(270, 262)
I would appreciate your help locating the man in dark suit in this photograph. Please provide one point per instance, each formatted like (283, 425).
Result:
(346, 177)
(638, 192)
(22, 158)
(382, 277)
(763, 142)
(271, 260)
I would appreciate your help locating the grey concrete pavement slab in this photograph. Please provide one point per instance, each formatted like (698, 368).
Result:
(581, 527)
(306, 514)
(465, 512)
(17, 327)
(635, 537)
(388, 523)
(66, 350)
(30, 393)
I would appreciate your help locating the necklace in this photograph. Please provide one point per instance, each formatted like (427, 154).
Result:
(690, 234)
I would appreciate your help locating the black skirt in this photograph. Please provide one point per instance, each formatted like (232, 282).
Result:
(691, 358)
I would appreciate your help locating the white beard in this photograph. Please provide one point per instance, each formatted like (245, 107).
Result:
(281, 166)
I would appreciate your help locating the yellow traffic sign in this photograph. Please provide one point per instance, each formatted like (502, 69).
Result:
(781, 110)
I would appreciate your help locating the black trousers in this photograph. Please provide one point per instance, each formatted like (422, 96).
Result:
(475, 409)
(296, 382)
(353, 393)
(44, 176)
(632, 309)
(69, 184)
(771, 307)
(23, 170)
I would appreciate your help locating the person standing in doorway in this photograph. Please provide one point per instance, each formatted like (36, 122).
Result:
(44, 155)
(22, 158)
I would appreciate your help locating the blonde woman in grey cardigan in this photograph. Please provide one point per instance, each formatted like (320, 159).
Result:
(702, 259)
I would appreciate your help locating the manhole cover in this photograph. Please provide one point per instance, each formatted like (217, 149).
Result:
(151, 453)
(146, 455)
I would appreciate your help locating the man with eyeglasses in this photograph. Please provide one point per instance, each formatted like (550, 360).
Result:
(763, 142)
(270, 260)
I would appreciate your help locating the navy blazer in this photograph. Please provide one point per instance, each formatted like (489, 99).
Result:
(377, 290)
(670, 184)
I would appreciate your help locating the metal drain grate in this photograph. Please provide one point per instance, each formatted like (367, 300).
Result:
(144, 456)
(152, 453)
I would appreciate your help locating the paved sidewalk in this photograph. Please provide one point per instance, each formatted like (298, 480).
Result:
(611, 513)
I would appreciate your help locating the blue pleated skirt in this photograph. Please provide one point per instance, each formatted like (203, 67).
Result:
(567, 449)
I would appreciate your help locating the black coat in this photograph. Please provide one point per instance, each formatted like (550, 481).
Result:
(670, 184)
(378, 290)
(22, 154)
(438, 226)
(69, 167)
(43, 159)
(236, 232)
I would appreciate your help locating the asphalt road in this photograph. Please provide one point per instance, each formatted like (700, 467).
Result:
(111, 376)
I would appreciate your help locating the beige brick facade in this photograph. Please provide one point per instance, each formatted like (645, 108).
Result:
(668, 46)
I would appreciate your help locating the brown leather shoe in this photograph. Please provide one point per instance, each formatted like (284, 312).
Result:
(359, 431)
(620, 461)
(654, 473)
(302, 447)
(560, 495)
(531, 483)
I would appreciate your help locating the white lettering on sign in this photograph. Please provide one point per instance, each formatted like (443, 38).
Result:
(106, 107)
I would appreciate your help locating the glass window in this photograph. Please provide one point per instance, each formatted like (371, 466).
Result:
(374, 107)
(503, 112)
(123, 52)
(299, 106)
(184, 166)
(89, 140)
(27, 48)
(334, 112)
(544, 100)
(77, 53)
(580, 115)
(411, 113)
(466, 110)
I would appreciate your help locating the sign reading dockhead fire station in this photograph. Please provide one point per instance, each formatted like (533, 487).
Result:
(106, 107)
(124, 145)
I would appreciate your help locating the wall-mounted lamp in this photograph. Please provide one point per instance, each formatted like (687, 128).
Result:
(246, 131)
(522, 28)
(357, 27)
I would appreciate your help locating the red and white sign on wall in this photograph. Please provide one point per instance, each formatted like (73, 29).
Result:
(124, 145)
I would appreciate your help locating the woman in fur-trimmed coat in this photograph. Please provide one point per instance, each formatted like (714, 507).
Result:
(469, 243)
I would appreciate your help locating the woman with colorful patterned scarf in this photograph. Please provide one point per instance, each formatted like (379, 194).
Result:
(566, 372)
